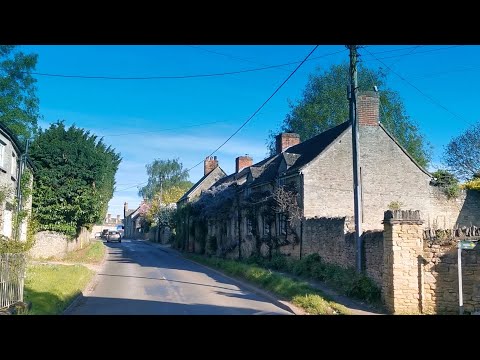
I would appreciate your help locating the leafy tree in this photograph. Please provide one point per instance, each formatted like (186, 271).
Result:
(447, 182)
(18, 100)
(462, 154)
(324, 104)
(169, 172)
(75, 178)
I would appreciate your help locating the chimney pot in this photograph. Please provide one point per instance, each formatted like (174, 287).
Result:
(285, 140)
(368, 103)
(209, 164)
(242, 162)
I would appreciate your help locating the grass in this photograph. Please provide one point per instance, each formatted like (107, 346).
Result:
(51, 288)
(299, 293)
(345, 281)
(92, 254)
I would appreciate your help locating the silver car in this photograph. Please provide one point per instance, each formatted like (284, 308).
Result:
(113, 236)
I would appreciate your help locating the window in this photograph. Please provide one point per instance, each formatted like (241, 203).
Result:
(13, 170)
(2, 154)
(249, 226)
(282, 224)
(266, 227)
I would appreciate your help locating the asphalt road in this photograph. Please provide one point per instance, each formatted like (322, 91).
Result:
(140, 279)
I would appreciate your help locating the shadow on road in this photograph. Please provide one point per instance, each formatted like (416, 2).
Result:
(115, 306)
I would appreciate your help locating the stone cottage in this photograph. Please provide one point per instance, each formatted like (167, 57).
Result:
(318, 173)
(10, 172)
(134, 221)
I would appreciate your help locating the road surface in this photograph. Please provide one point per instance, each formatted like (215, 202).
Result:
(139, 279)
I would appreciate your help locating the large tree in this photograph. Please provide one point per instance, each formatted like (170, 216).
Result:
(169, 173)
(324, 104)
(18, 100)
(462, 154)
(74, 178)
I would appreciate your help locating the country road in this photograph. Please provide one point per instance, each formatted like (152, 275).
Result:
(140, 279)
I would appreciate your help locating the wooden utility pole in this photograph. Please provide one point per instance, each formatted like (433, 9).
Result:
(352, 96)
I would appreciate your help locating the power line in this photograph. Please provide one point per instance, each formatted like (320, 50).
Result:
(420, 91)
(369, 72)
(421, 52)
(177, 76)
(231, 56)
(261, 106)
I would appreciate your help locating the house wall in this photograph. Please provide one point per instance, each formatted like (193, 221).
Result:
(8, 182)
(387, 175)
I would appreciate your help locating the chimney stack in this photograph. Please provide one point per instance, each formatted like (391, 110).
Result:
(242, 162)
(209, 164)
(125, 208)
(368, 103)
(285, 140)
(108, 217)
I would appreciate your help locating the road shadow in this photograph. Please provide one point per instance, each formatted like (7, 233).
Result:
(116, 306)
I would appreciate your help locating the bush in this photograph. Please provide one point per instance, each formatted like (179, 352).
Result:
(346, 281)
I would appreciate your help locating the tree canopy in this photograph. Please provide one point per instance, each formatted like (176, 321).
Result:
(19, 109)
(169, 172)
(462, 154)
(324, 104)
(74, 179)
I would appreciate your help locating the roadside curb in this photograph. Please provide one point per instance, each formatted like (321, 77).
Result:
(91, 284)
(284, 305)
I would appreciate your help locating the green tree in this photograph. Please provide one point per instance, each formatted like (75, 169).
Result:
(446, 181)
(462, 154)
(18, 100)
(324, 104)
(75, 178)
(168, 172)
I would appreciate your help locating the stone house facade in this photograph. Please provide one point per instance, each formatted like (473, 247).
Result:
(319, 173)
(134, 221)
(10, 172)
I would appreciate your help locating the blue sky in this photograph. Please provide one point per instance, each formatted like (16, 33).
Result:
(149, 119)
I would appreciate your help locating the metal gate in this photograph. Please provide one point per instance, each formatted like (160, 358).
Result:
(12, 276)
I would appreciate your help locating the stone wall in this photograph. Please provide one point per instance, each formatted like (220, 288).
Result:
(332, 239)
(52, 244)
(440, 285)
(421, 276)
(403, 240)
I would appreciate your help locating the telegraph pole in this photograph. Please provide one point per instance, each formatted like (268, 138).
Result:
(352, 96)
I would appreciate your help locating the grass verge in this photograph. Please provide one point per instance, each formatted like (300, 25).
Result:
(345, 281)
(51, 288)
(92, 254)
(299, 293)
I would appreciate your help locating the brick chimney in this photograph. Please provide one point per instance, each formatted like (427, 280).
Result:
(368, 103)
(285, 140)
(242, 162)
(209, 164)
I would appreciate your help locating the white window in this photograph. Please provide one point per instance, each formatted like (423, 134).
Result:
(14, 165)
(266, 227)
(249, 226)
(282, 224)
(2, 154)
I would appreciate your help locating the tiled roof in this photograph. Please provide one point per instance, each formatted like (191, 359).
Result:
(309, 149)
(198, 183)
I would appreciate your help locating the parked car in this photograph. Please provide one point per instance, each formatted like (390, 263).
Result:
(113, 236)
